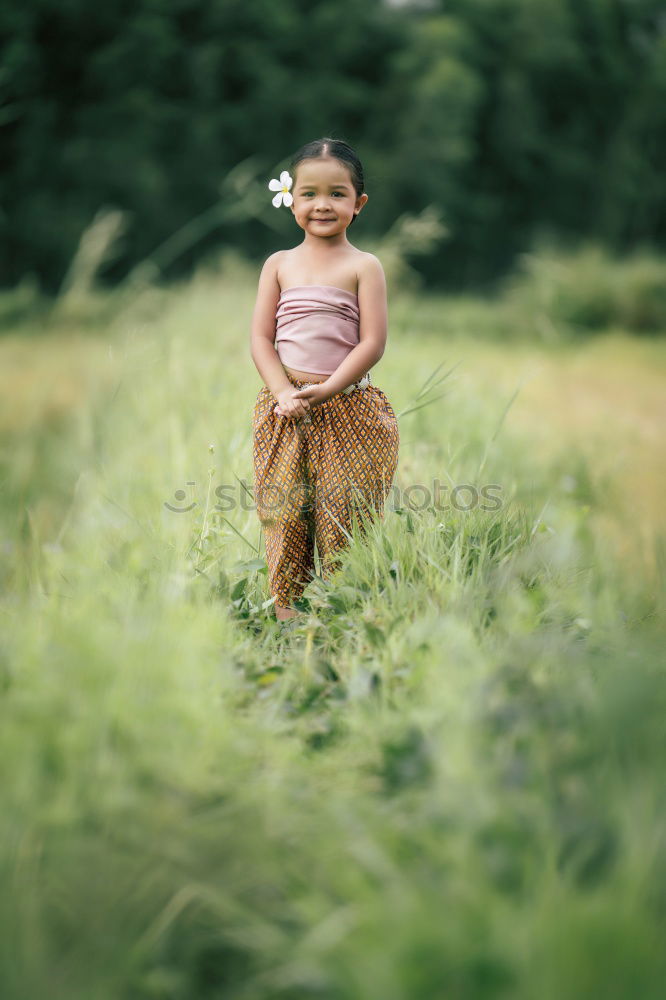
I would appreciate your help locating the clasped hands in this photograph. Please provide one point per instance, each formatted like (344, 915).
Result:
(297, 402)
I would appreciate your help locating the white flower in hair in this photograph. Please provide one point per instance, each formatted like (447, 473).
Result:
(282, 187)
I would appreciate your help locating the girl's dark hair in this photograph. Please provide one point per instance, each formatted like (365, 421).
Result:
(336, 148)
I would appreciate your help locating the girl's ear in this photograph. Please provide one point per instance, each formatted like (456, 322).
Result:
(360, 202)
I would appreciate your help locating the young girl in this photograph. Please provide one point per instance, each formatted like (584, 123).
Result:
(325, 440)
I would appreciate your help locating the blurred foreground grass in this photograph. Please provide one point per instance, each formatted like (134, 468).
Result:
(446, 781)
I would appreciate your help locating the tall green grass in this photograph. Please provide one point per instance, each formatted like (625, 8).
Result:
(444, 780)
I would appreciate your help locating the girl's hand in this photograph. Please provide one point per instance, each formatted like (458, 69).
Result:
(289, 406)
(295, 403)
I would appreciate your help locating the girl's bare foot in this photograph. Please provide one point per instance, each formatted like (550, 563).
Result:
(283, 614)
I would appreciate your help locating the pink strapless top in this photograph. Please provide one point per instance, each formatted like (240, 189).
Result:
(316, 327)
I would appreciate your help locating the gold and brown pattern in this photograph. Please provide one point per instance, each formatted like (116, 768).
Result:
(313, 475)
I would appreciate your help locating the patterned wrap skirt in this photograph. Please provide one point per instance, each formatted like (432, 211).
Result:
(314, 474)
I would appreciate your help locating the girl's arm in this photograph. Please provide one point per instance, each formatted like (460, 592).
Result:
(372, 329)
(262, 337)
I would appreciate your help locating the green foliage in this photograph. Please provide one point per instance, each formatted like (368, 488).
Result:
(504, 117)
(590, 290)
(22, 303)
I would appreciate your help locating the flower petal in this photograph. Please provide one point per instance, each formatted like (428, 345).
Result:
(285, 178)
(274, 184)
(277, 200)
(287, 198)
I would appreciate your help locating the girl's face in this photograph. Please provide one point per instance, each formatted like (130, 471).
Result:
(325, 200)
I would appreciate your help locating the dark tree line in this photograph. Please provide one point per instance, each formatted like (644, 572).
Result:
(514, 117)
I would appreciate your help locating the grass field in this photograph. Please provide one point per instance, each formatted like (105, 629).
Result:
(445, 782)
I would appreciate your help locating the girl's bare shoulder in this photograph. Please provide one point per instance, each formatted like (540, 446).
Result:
(367, 259)
(369, 267)
(275, 259)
